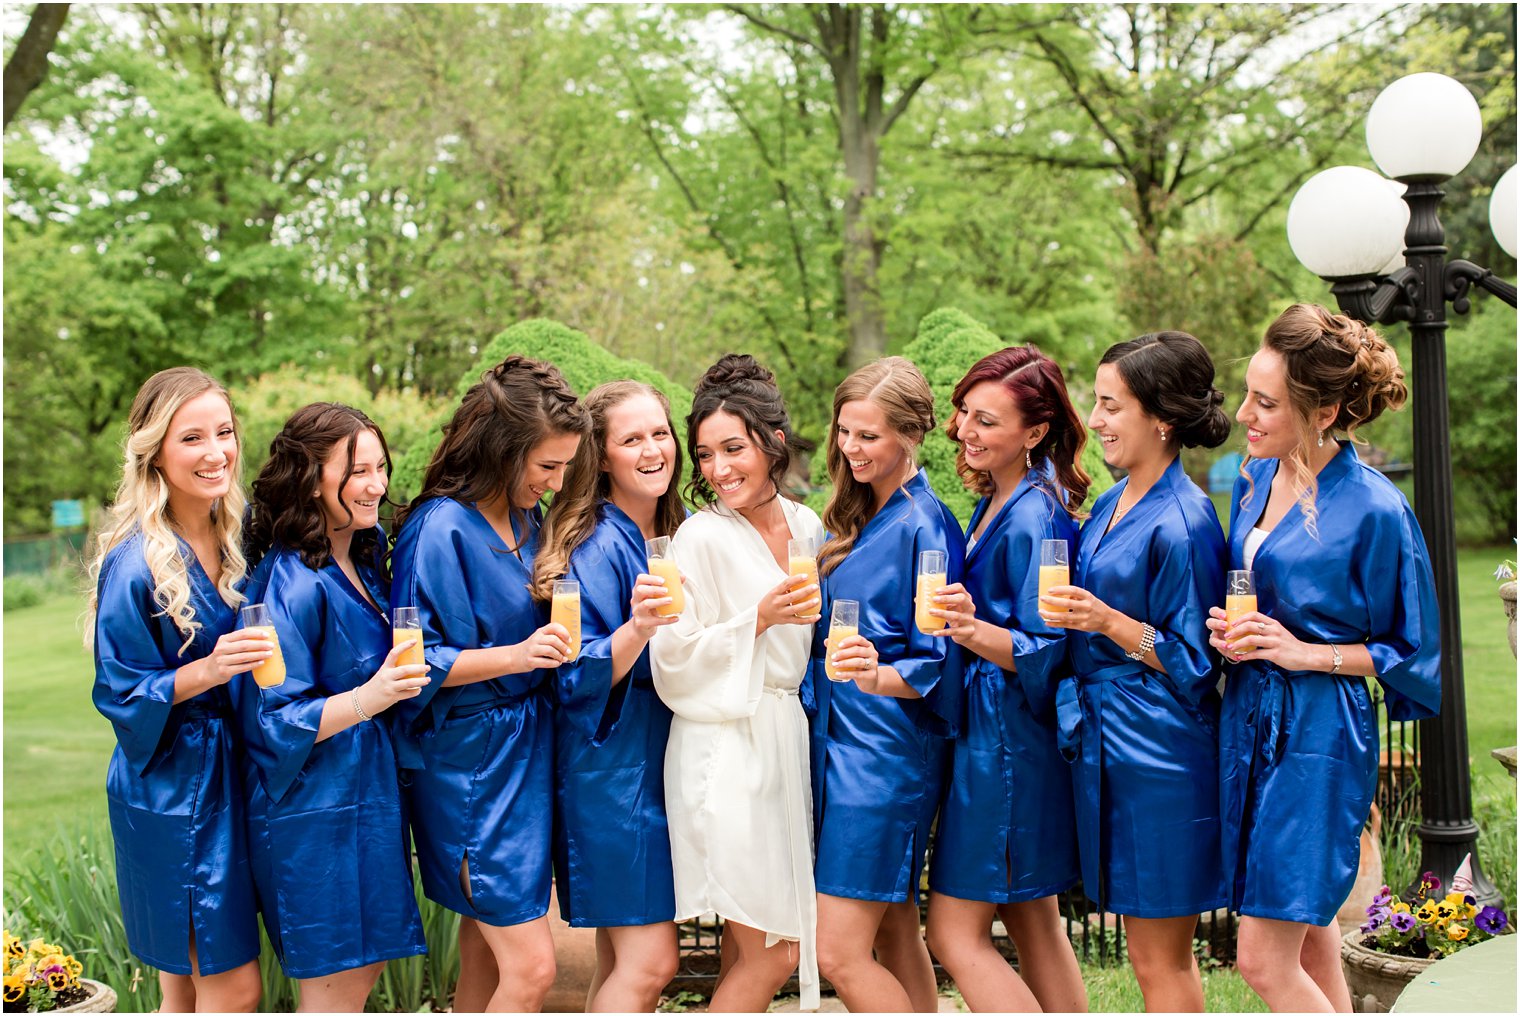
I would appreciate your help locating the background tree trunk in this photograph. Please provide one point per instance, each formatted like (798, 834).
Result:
(27, 66)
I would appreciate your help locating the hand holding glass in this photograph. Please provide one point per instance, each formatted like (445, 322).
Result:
(566, 611)
(662, 565)
(1239, 600)
(406, 625)
(270, 673)
(802, 559)
(843, 622)
(931, 579)
(1055, 569)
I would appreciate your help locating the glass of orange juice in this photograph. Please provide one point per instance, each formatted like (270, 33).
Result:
(1239, 600)
(566, 610)
(662, 565)
(1055, 566)
(844, 621)
(406, 624)
(802, 559)
(931, 579)
(270, 673)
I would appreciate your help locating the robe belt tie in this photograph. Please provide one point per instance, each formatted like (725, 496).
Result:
(207, 707)
(778, 692)
(1271, 688)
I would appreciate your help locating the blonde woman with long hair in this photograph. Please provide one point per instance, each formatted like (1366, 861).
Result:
(879, 750)
(163, 619)
(611, 841)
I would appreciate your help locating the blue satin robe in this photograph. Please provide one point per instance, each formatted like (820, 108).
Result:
(879, 762)
(480, 754)
(1299, 750)
(327, 836)
(611, 842)
(173, 786)
(1146, 743)
(1007, 826)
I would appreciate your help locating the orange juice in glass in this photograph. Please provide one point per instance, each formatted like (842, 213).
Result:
(566, 610)
(1055, 567)
(406, 625)
(802, 559)
(931, 579)
(662, 565)
(1239, 600)
(844, 621)
(270, 673)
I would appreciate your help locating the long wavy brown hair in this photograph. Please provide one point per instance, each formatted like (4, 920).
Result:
(572, 516)
(903, 394)
(283, 510)
(485, 447)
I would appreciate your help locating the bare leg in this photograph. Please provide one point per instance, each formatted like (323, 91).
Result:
(345, 991)
(644, 962)
(178, 991)
(728, 952)
(846, 932)
(1161, 950)
(1321, 959)
(477, 969)
(900, 948)
(756, 974)
(1269, 956)
(1046, 958)
(960, 933)
(604, 962)
(524, 963)
(236, 990)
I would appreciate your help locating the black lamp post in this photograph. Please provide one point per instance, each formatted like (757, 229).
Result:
(1421, 131)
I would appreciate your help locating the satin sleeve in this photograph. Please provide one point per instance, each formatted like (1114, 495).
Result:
(707, 669)
(286, 718)
(1038, 650)
(436, 584)
(1403, 616)
(1186, 577)
(587, 698)
(133, 687)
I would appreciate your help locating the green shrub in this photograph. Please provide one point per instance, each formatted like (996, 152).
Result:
(28, 590)
(1480, 367)
(948, 342)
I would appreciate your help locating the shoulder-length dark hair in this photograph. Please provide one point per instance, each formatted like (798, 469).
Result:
(1038, 389)
(737, 384)
(282, 508)
(485, 447)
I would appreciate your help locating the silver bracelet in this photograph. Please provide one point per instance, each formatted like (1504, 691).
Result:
(1147, 643)
(1335, 653)
(363, 716)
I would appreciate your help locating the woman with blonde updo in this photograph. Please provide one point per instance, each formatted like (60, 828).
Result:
(879, 731)
(163, 619)
(480, 735)
(1345, 593)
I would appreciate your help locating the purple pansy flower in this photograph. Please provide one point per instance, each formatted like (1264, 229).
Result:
(1382, 899)
(1403, 922)
(1429, 882)
(1374, 922)
(1491, 920)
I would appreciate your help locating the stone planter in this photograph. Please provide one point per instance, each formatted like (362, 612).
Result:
(1376, 978)
(102, 998)
(1507, 595)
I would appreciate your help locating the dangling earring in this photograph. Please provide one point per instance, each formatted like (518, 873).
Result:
(1163, 434)
(1321, 442)
(1028, 462)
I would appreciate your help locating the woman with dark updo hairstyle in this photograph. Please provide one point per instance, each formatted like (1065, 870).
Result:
(1344, 592)
(1140, 718)
(480, 735)
(736, 765)
(322, 781)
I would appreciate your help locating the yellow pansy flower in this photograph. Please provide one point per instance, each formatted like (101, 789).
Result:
(75, 967)
(1427, 912)
(15, 988)
(1456, 932)
(1400, 907)
(58, 979)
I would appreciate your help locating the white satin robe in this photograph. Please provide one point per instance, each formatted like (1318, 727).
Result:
(737, 791)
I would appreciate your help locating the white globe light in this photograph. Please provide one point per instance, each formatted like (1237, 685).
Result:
(1347, 221)
(1424, 125)
(1501, 211)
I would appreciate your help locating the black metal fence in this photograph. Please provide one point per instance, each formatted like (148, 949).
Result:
(1097, 936)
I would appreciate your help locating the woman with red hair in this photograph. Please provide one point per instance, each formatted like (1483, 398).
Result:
(1007, 832)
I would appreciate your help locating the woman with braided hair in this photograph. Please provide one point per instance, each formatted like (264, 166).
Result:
(322, 782)
(1345, 593)
(479, 737)
(880, 727)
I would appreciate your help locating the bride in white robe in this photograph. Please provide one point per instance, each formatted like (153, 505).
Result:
(737, 791)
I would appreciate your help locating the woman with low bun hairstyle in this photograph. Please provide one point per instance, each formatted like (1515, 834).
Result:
(1007, 839)
(321, 772)
(736, 766)
(611, 841)
(1344, 592)
(880, 727)
(164, 625)
(1141, 716)
(480, 735)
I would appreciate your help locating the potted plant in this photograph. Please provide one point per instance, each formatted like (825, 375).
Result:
(41, 977)
(1505, 573)
(1403, 937)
